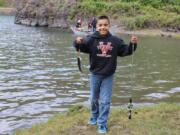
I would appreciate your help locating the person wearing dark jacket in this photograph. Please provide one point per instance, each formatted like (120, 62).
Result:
(93, 24)
(103, 49)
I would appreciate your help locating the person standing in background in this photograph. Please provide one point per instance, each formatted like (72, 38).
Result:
(93, 24)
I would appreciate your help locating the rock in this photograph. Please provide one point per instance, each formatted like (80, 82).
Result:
(162, 35)
(26, 22)
(41, 13)
(171, 30)
(42, 22)
(58, 22)
(169, 35)
(34, 22)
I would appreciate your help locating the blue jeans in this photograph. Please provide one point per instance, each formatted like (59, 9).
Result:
(100, 92)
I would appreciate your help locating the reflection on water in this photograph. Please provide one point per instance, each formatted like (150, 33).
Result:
(39, 75)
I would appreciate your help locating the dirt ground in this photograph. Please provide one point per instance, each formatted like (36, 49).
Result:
(7, 11)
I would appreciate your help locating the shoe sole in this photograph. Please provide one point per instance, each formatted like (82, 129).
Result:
(102, 132)
(91, 123)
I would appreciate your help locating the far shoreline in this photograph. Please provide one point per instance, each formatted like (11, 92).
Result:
(9, 11)
(150, 32)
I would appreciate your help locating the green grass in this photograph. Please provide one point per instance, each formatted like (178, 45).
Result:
(2, 3)
(162, 119)
(133, 13)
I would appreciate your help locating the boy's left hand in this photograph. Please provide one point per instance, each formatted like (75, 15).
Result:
(134, 40)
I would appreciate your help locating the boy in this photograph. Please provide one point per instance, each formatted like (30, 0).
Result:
(103, 49)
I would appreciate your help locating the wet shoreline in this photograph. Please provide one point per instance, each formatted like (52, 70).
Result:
(151, 32)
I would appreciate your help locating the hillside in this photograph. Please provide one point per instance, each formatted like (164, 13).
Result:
(136, 13)
(7, 3)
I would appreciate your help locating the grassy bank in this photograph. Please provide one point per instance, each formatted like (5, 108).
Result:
(7, 11)
(2, 3)
(149, 32)
(6, 7)
(137, 14)
(163, 119)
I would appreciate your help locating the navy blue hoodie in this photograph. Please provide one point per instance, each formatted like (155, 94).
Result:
(103, 52)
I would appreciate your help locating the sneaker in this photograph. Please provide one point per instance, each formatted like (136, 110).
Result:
(92, 121)
(102, 129)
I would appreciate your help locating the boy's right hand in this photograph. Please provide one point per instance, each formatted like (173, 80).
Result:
(79, 40)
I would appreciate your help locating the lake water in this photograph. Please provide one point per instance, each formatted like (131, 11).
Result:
(39, 74)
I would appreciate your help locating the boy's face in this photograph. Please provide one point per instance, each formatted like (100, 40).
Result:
(102, 26)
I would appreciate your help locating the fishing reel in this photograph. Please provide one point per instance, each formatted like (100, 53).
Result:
(130, 108)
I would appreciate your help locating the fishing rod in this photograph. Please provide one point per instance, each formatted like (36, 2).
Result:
(130, 104)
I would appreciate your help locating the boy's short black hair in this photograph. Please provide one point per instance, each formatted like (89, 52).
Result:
(104, 17)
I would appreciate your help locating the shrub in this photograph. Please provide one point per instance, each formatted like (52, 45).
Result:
(2, 3)
(147, 13)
